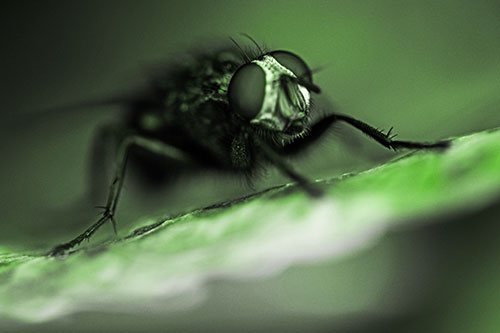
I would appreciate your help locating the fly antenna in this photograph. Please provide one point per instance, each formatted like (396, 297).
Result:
(239, 48)
(253, 41)
(317, 69)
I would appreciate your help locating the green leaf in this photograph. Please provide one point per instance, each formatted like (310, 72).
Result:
(171, 264)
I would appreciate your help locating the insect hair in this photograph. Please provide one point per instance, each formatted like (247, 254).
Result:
(254, 42)
(248, 54)
(243, 53)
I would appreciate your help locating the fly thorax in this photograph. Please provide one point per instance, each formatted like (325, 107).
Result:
(285, 100)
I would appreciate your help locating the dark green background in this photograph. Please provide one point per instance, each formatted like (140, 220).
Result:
(428, 68)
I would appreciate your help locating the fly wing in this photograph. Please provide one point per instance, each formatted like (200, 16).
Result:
(121, 100)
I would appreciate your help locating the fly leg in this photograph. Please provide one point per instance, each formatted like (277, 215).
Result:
(152, 145)
(385, 139)
(103, 145)
(279, 162)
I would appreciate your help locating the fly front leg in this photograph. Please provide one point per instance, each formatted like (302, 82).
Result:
(385, 139)
(152, 145)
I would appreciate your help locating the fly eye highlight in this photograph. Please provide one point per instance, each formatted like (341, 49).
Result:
(298, 66)
(246, 90)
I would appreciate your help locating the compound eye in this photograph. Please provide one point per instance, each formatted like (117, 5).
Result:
(298, 66)
(246, 90)
(294, 63)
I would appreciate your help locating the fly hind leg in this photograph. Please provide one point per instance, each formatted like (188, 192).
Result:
(152, 145)
(104, 146)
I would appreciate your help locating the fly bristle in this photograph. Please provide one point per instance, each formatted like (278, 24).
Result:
(254, 42)
(249, 54)
(243, 54)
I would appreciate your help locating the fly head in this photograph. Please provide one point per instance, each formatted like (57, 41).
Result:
(273, 92)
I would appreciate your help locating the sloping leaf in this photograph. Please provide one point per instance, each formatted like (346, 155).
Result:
(165, 265)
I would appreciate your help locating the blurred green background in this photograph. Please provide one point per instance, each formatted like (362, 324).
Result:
(429, 68)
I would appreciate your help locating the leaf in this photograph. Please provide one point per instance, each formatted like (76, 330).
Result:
(170, 264)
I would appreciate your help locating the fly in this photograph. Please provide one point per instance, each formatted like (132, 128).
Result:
(231, 110)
